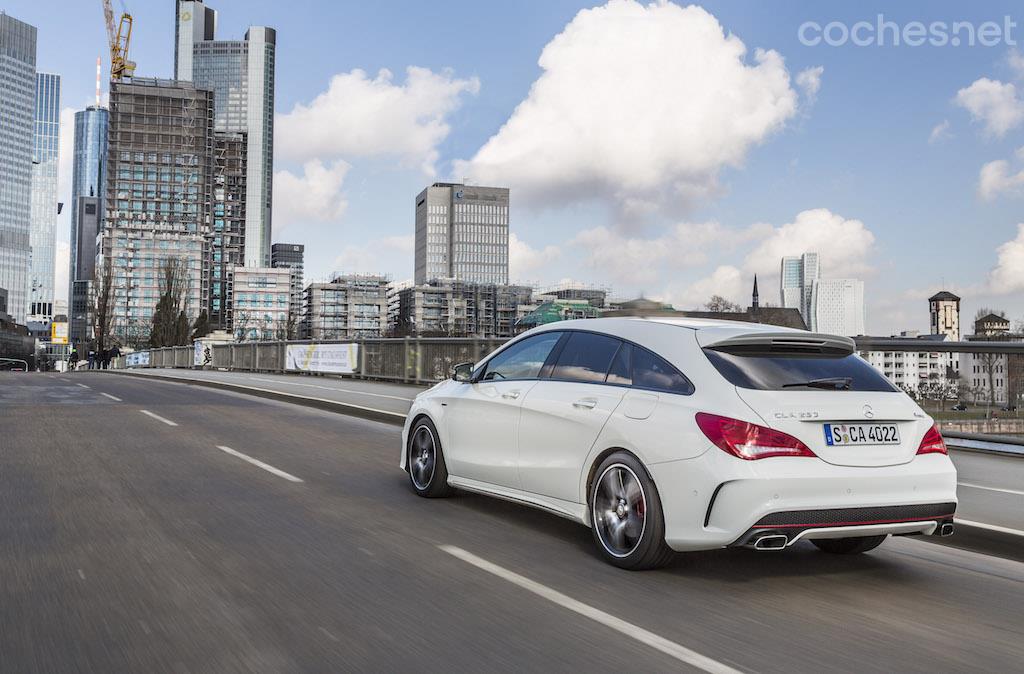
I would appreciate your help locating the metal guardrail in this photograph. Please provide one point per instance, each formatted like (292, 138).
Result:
(413, 360)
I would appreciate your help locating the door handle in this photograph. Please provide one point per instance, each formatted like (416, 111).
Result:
(585, 404)
(511, 395)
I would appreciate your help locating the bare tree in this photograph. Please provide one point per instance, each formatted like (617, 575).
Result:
(170, 324)
(719, 304)
(103, 302)
(242, 319)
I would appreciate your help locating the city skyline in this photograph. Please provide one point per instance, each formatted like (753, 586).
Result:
(926, 192)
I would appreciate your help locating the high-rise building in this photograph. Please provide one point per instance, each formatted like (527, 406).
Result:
(796, 282)
(241, 75)
(17, 117)
(82, 270)
(88, 179)
(158, 197)
(227, 243)
(291, 256)
(838, 307)
(45, 158)
(352, 306)
(462, 234)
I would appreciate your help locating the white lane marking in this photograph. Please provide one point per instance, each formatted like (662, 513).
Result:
(333, 388)
(656, 642)
(158, 417)
(114, 398)
(83, 385)
(978, 486)
(259, 464)
(990, 527)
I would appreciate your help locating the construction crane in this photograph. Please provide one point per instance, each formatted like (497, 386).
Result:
(120, 39)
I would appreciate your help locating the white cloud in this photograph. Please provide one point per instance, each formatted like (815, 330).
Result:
(628, 259)
(527, 263)
(995, 179)
(726, 281)
(993, 103)
(313, 197)
(1015, 60)
(365, 258)
(940, 132)
(640, 105)
(361, 117)
(844, 245)
(809, 81)
(1008, 274)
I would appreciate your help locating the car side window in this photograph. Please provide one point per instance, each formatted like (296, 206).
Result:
(585, 357)
(522, 360)
(654, 372)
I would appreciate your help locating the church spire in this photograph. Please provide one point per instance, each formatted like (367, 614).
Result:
(753, 299)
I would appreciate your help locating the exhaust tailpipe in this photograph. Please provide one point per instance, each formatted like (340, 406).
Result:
(946, 529)
(771, 542)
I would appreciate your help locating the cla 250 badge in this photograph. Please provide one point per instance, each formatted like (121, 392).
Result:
(796, 415)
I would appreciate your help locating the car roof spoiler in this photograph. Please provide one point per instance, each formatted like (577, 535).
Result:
(791, 343)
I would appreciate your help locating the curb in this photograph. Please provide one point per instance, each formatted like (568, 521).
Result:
(349, 409)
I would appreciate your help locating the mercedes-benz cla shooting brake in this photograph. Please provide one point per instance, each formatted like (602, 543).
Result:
(674, 435)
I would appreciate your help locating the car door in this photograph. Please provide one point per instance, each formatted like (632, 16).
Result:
(483, 416)
(563, 414)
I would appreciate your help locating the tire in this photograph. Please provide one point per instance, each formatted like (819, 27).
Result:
(425, 461)
(848, 546)
(626, 516)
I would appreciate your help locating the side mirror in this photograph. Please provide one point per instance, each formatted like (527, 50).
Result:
(463, 372)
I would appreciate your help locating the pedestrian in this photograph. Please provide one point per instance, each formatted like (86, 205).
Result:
(114, 352)
(73, 360)
(104, 359)
(92, 359)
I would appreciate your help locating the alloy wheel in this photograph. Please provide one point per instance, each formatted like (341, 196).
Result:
(619, 510)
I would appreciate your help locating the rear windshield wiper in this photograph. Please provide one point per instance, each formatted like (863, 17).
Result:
(834, 383)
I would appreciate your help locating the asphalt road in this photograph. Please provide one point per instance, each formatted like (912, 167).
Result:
(131, 544)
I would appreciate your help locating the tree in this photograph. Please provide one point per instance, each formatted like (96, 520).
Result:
(103, 302)
(201, 328)
(719, 304)
(170, 324)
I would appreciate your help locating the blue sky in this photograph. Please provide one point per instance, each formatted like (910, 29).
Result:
(748, 166)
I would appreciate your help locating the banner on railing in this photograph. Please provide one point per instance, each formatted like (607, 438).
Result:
(333, 358)
(137, 359)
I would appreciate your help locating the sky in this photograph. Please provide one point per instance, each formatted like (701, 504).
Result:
(661, 149)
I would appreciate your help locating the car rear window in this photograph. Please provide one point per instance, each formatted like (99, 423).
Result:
(796, 372)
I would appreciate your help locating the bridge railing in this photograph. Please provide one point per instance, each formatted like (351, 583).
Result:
(416, 360)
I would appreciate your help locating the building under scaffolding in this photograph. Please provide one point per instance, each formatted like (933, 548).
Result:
(450, 308)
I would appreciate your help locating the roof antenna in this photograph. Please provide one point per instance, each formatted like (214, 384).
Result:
(97, 81)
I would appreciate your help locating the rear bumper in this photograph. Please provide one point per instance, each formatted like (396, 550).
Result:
(716, 500)
(794, 525)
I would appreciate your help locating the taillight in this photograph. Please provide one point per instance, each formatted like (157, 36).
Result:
(749, 441)
(932, 442)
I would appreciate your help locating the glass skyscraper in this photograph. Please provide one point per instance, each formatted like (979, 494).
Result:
(796, 281)
(45, 156)
(241, 75)
(88, 180)
(17, 117)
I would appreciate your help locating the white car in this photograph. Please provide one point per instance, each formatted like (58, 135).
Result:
(667, 435)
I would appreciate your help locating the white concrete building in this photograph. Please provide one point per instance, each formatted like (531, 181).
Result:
(838, 307)
(261, 299)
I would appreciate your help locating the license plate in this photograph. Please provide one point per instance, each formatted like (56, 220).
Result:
(843, 435)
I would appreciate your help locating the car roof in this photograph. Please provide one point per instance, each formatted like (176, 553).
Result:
(711, 330)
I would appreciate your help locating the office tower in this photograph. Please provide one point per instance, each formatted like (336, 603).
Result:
(462, 233)
(227, 242)
(796, 281)
(241, 75)
(88, 179)
(83, 268)
(839, 307)
(290, 256)
(158, 197)
(17, 116)
(45, 158)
